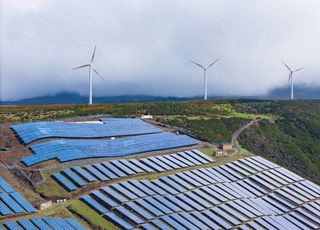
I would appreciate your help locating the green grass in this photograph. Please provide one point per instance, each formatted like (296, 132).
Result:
(50, 188)
(91, 215)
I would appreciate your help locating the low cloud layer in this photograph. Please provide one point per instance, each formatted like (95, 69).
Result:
(144, 46)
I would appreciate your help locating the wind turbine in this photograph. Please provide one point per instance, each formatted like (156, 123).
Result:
(291, 76)
(205, 76)
(91, 67)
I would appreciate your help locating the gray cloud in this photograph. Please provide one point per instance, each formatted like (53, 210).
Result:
(144, 46)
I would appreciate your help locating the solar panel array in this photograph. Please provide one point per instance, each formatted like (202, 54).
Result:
(67, 150)
(112, 127)
(43, 223)
(76, 177)
(248, 193)
(11, 202)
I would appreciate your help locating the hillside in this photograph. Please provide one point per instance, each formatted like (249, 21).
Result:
(288, 135)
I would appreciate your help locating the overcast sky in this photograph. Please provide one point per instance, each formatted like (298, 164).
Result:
(144, 46)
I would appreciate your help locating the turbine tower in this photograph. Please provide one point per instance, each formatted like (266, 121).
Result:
(91, 67)
(205, 76)
(290, 79)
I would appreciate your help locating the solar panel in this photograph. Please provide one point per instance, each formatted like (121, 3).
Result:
(180, 158)
(172, 184)
(115, 195)
(152, 165)
(204, 156)
(12, 226)
(160, 163)
(118, 221)
(140, 211)
(131, 166)
(39, 223)
(154, 210)
(172, 222)
(114, 169)
(124, 191)
(217, 219)
(179, 203)
(68, 150)
(165, 187)
(5, 186)
(225, 216)
(197, 199)
(142, 187)
(94, 204)
(64, 181)
(196, 157)
(158, 205)
(181, 182)
(30, 132)
(105, 171)
(75, 224)
(200, 216)
(206, 196)
(27, 224)
(197, 178)
(171, 164)
(140, 165)
(85, 175)
(129, 215)
(183, 221)
(133, 189)
(103, 199)
(160, 224)
(193, 220)
(165, 202)
(204, 176)
(96, 173)
(22, 202)
(190, 202)
(175, 161)
(74, 177)
(153, 187)
(188, 158)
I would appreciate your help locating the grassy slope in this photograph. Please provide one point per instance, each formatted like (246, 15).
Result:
(293, 140)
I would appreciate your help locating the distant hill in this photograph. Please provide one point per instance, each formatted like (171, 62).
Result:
(75, 98)
(300, 92)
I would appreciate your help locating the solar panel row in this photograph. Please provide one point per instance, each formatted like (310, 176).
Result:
(111, 127)
(12, 202)
(76, 177)
(43, 223)
(208, 199)
(67, 150)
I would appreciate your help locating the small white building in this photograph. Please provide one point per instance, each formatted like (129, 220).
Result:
(146, 117)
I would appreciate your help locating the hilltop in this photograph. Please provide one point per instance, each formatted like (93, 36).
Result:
(289, 133)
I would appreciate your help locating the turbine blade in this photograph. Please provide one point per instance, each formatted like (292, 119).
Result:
(94, 52)
(290, 76)
(299, 69)
(82, 66)
(197, 64)
(97, 72)
(287, 66)
(213, 62)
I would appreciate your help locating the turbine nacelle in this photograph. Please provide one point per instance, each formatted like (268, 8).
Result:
(290, 79)
(205, 76)
(91, 67)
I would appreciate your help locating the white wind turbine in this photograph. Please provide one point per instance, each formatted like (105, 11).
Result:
(290, 79)
(90, 65)
(205, 76)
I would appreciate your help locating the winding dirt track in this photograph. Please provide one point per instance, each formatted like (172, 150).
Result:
(237, 133)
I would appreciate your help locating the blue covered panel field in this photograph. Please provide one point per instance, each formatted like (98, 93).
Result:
(67, 150)
(110, 127)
